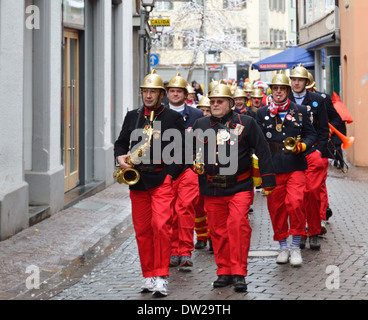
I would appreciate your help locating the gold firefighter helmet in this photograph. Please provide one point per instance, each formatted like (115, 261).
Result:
(190, 89)
(257, 94)
(239, 93)
(248, 87)
(204, 102)
(153, 81)
(299, 72)
(221, 91)
(212, 84)
(280, 80)
(178, 82)
(312, 83)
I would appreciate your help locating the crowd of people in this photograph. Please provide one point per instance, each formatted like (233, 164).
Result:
(277, 134)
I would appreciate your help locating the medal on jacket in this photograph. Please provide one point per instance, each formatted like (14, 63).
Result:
(279, 127)
(222, 137)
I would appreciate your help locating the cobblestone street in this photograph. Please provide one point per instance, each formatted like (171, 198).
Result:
(91, 254)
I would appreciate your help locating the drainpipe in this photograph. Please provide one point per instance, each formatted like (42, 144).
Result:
(337, 22)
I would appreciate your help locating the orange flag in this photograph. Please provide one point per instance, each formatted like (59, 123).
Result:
(341, 109)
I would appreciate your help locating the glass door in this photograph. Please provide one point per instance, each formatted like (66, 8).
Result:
(70, 108)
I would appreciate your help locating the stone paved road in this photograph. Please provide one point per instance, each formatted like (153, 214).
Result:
(110, 270)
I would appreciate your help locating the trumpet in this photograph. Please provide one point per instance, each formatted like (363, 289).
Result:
(131, 176)
(291, 143)
(197, 165)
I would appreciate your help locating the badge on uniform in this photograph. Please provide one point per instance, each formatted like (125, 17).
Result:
(238, 129)
(156, 134)
(315, 104)
(279, 127)
(300, 115)
(289, 117)
(222, 137)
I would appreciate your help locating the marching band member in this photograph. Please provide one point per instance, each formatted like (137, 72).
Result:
(186, 187)
(257, 98)
(314, 174)
(334, 119)
(152, 195)
(227, 186)
(241, 99)
(280, 120)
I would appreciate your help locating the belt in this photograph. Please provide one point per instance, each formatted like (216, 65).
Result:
(150, 168)
(228, 181)
(276, 147)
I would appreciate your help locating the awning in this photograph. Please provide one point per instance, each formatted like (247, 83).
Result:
(287, 59)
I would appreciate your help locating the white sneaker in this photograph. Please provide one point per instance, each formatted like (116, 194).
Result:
(160, 289)
(295, 257)
(283, 256)
(148, 285)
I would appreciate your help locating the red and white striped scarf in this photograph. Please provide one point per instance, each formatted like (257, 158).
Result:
(275, 107)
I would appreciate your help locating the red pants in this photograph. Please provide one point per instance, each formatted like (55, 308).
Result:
(286, 205)
(186, 194)
(314, 177)
(230, 231)
(152, 219)
(201, 221)
(324, 194)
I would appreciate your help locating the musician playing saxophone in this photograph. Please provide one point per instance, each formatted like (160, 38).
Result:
(151, 196)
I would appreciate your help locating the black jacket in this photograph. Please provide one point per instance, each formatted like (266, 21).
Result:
(243, 136)
(154, 170)
(318, 114)
(296, 123)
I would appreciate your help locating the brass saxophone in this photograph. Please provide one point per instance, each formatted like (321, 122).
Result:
(198, 166)
(131, 176)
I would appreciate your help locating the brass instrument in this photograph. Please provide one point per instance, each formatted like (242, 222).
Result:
(291, 143)
(347, 142)
(197, 165)
(131, 176)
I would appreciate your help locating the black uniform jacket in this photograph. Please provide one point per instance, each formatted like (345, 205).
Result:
(153, 173)
(296, 123)
(190, 115)
(318, 115)
(333, 118)
(221, 159)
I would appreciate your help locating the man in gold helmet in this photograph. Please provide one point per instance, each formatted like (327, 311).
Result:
(185, 188)
(314, 174)
(205, 105)
(151, 196)
(227, 184)
(257, 96)
(241, 102)
(280, 120)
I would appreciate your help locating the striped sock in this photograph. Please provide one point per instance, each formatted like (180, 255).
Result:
(283, 244)
(296, 241)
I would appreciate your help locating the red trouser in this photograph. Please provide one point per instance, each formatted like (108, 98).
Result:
(286, 205)
(324, 194)
(230, 231)
(152, 219)
(186, 194)
(314, 176)
(201, 221)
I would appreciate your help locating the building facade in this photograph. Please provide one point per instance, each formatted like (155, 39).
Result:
(65, 85)
(354, 52)
(224, 36)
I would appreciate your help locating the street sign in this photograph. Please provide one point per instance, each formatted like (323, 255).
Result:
(160, 22)
(154, 59)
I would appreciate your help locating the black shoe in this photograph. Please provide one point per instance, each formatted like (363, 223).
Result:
(174, 261)
(223, 281)
(250, 210)
(302, 243)
(314, 243)
(328, 213)
(210, 248)
(200, 244)
(239, 283)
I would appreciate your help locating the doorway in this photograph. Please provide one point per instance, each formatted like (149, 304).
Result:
(70, 108)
